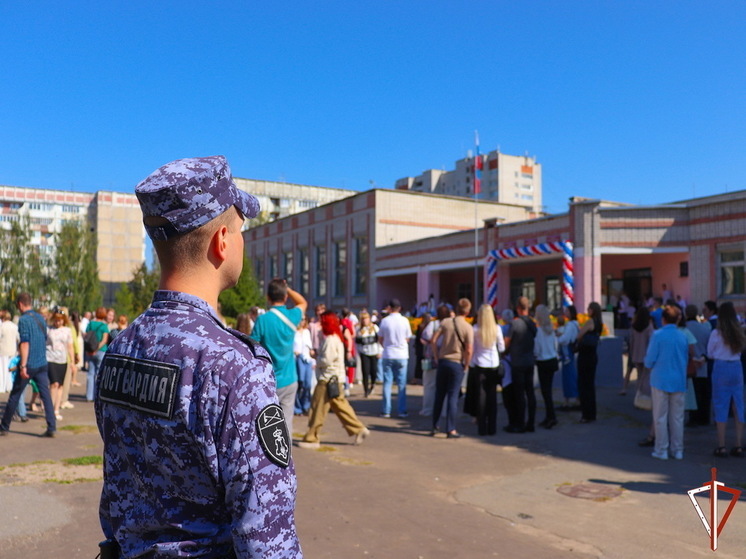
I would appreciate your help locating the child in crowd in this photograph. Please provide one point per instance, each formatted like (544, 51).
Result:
(13, 369)
(563, 350)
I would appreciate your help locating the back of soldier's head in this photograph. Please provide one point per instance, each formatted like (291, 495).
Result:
(185, 201)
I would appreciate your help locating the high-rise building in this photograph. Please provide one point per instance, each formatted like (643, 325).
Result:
(509, 179)
(281, 199)
(114, 216)
(117, 221)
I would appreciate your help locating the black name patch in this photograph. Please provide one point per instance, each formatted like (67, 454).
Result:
(147, 386)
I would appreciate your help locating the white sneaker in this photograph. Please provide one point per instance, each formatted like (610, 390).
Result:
(660, 456)
(66, 406)
(58, 416)
(678, 455)
(361, 436)
(310, 446)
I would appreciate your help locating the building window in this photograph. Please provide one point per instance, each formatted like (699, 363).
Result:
(272, 267)
(287, 266)
(553, 293)
(732, 272)
(523, 287)
(340, 268)
(303, 277)
(463, 291)
(320, 271)
(259, 271)
(361, 266)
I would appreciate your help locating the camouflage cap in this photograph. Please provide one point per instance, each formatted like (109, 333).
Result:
(188, 193)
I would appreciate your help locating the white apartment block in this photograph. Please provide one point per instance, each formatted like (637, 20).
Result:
(117, 220)
(281, 199)
(114, 216)
(508, 179)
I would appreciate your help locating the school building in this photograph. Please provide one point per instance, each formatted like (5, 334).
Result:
(360, 251)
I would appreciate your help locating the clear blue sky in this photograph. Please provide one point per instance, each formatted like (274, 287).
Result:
(642, 102)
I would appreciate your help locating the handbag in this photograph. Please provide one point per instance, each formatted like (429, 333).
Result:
(643, 401)
(332, 388)
(426, 364)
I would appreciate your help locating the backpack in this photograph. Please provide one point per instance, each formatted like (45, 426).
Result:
(90, 341)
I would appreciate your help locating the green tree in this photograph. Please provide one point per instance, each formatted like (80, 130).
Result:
(134, 297)
(124, 301)
(20, 263)
(244, 295)
(75, 270)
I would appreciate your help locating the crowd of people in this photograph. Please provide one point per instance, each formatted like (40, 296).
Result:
(56, 344)
(685, 363)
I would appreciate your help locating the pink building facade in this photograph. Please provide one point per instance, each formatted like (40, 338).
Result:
(695, 247)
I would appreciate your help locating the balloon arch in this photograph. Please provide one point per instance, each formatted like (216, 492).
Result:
(564, 247)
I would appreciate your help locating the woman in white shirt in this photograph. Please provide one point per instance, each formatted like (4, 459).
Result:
(725, 345)
(304, 368)
(59, 353)
(369, 350)
(545, 352)
(485, 363)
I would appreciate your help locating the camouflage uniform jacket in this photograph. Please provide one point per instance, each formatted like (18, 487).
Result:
(179, 403)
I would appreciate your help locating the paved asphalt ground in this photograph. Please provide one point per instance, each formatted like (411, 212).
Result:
(404, 494)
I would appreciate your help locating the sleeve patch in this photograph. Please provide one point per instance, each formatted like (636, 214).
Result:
(146, 386)
(273, 435)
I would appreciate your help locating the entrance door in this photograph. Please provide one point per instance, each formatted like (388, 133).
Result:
(638, 284)
(522, 287)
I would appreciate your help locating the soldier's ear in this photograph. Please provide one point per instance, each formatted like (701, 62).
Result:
(219, 244)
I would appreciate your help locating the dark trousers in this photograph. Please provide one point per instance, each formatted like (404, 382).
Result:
(546, 375)
(525, 397)
(703, 394)
(587, 363)
(369, 365)
(487, 399)
(509, 402)
(447, 387)
(41, 378)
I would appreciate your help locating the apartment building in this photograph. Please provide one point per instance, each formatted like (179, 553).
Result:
(117, 220)
(114, 216)
(508, 179)
(281, 199)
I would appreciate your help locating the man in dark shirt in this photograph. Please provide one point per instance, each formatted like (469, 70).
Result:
(520, 347)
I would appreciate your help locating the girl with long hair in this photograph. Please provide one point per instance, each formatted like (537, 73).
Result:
(329, 391)
(545, 352)
(725, 345)
(485, 367)
(588, 339)
(369, 350)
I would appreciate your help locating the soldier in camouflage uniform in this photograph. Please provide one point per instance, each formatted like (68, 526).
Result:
(196, 450)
